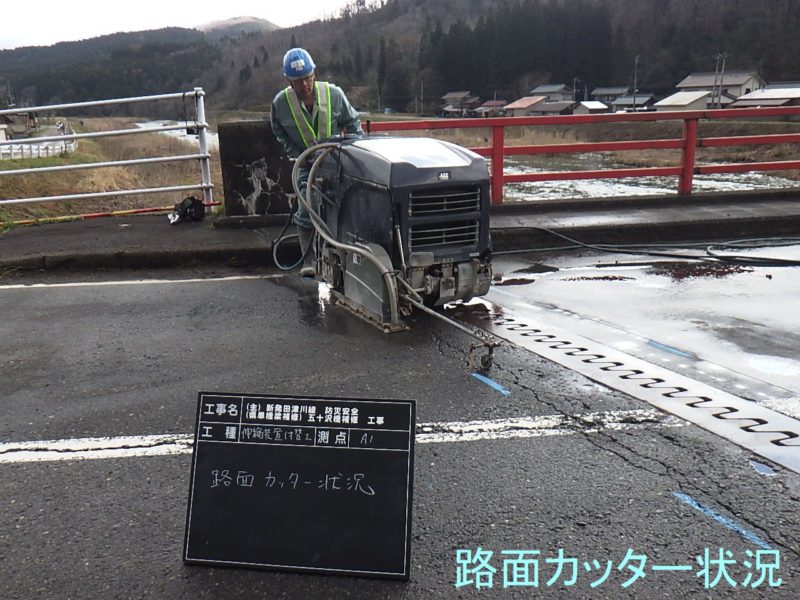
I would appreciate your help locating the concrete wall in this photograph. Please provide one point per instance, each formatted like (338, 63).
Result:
(256, 174)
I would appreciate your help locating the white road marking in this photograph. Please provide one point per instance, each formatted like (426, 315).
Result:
(28, 286)
(426, 433)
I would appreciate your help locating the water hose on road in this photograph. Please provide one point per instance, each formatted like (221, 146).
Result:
(322, 229)
(709, 256)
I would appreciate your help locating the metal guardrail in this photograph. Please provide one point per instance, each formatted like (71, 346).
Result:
(202, 155)
(17, 150)
(688, 144)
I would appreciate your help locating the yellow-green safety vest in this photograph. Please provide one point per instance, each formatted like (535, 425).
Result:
(304, 126)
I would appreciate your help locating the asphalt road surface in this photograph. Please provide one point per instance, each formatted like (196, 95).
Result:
(532, 480)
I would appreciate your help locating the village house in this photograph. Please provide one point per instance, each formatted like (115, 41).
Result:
(641, 101)
(553, 92)
(491, 108)
(551, 108)
(694, 100)
(607, 95)
(459, 104)
(724, 88)
(774, 94)
(589, 107)
(20, 125)
(522, 107)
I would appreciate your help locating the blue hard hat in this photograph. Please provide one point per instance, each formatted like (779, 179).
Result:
(297, 64)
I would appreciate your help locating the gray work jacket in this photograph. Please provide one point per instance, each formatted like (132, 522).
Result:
(293, 124)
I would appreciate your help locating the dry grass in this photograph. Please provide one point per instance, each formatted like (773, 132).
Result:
(105, 179)
(728, 154)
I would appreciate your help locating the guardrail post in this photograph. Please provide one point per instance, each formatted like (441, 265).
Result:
(688, 156)
(498, 158)
(205, 168)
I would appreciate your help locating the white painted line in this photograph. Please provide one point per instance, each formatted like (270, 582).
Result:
(76, 284)
(427, 433)
(101, 447)
(551, 425)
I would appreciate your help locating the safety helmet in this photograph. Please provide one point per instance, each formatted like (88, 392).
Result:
(297, 64)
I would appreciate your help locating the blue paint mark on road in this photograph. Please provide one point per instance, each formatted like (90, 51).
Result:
(670, 349)
(727, 522)
(492, 384)
(762, 468)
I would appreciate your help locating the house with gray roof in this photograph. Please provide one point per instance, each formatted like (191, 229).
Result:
(776, 94)
(639, 101)
(458, 104)
(608, 94)
(725, 87)
(554, 92)
(552, 108)
(692, 100)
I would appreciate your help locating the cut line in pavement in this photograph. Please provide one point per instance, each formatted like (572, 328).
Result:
(426, 433)
(766, 432)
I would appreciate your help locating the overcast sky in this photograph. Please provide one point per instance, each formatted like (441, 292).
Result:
(47, 22)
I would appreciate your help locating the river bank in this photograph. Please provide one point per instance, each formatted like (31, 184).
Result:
(141, 176)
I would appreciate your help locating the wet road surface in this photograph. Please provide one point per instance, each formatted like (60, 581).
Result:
(730, 325)
(545, 460)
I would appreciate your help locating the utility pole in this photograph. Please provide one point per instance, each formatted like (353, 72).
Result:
(635, 80)
(721, 79)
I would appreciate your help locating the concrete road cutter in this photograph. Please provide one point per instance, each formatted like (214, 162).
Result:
(401, 223)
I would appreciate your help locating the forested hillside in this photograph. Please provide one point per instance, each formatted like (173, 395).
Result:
(398, 52)
(113, 66)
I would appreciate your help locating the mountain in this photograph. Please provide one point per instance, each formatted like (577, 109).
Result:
(111, 66)
(236, 27)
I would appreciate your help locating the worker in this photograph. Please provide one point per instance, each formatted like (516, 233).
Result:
(302, 114)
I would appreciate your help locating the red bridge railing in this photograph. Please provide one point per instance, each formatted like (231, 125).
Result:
(687, 143)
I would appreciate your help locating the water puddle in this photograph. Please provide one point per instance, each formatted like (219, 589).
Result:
(513, 281)
(678, 271)
(537, 268)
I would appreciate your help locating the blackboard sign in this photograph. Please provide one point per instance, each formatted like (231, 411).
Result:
(318, 485)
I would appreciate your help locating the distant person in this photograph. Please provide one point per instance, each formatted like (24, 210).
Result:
(302, 114)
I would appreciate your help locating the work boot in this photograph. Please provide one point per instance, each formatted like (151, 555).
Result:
(306, 237)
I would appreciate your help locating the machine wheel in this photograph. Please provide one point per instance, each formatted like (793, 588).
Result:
(486, 361)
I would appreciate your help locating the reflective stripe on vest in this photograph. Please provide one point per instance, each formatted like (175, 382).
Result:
(304, 127)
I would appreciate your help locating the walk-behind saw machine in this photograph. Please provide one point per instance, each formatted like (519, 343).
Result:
(402, 223)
